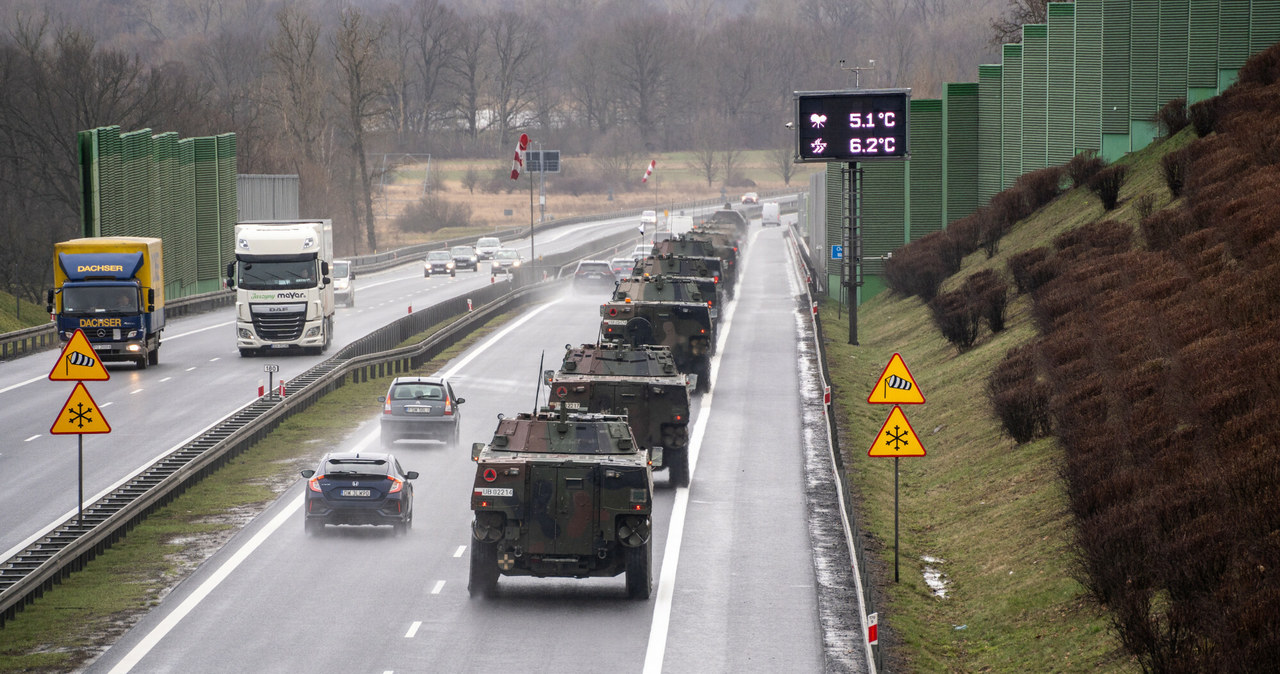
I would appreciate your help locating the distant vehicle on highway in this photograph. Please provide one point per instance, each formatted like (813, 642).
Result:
(358, 488)
(344, 283)
(622, 266)
(751, 198)
(505, 261)
(486, 246)
(641, 251)
(770, 214)
(438, 262)
(465, 257)
(420, 408)
(594, 274)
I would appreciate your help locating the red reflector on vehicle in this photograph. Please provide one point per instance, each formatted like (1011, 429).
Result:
(613, 311)
(490, 475)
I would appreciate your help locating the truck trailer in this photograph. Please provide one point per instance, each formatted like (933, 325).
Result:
(112, 288)
(284, 295)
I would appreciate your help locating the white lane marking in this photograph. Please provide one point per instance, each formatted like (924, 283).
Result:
(165, 379)
(496, 337)
(192, 332)
(215, 358)
(38, 435)
(170, 621)
(190, 368)
(107, 404)
(456, 553)
(439, 586)
(22, 383)
(413, 629)
(675, 529)
(137, 390)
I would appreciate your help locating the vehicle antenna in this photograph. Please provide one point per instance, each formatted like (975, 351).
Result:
(537, 390)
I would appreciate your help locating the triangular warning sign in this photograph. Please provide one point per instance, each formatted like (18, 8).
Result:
(896, 386)
(80, 415)
(896, 437)
(78, 362)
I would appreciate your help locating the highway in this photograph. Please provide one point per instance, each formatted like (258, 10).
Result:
(734, 568)
(201, 378)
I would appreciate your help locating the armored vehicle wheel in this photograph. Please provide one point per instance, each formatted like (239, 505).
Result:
(639, 575)
(679, 468)
(702, 368)
(483, 580)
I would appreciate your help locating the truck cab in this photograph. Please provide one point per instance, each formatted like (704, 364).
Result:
(284, 292)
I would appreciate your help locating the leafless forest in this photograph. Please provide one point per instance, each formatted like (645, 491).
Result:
(319, 87)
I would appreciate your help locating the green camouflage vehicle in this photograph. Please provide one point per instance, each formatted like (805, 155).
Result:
(639, 381)
(696, 270)
(730, 219)
(561, 495)
(698, 245)
(666, 313)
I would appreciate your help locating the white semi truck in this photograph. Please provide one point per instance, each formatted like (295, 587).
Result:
(284, 295)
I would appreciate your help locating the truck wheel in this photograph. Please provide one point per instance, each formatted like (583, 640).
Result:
(142, 361)
(154, 356)
(639, 574)
(483, 580)
(246, 353)
(679, 466)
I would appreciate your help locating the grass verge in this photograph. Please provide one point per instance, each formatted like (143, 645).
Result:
(80, 618)
(992, 513)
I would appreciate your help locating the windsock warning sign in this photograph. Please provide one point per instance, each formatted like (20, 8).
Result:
(896, 386)
(78, 362)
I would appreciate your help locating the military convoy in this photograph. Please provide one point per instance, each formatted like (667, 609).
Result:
(568, 491)
(562, 495)
(639, 381)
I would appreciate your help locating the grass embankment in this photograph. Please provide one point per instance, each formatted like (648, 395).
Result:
(15, 317)
(89, 610)
(994, 512)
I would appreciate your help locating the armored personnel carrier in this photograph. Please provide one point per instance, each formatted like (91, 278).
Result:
(696, 270)
(561, 495)
(694, 244)
(639, 381)
(729, 218)
(667, 313)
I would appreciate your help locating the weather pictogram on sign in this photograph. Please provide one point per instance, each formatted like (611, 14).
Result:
(80, 415)
(896, 386)
(78, 362)
(896, 437)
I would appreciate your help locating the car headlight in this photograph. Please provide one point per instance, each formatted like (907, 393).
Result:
(515, 263)
(132, 334)
(313, 332)
(449, 264)
(245, 333)
(473, 258)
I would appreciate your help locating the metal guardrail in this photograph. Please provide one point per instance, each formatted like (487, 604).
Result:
(27, 575)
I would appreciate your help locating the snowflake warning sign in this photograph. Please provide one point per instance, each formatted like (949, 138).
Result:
(896, 437)
(80, 415)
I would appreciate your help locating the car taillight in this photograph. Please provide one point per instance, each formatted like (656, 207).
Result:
(386, 407)
(715, 279)
(396, 485)
(448, 407)
(314, 483)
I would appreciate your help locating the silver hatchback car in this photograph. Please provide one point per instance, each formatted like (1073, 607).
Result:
(420, 408)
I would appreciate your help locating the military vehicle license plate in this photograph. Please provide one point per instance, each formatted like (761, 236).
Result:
(355, 492)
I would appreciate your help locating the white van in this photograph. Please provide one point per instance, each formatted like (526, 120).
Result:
(344, 282)
(649, 220)
(769, 214)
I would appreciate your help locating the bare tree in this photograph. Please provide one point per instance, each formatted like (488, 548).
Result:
(616, 155)
(435, 49)
(356, 48)
(646, 56)
(1008, 28)
(590, 86)
(469, 70)
(706, 141)
(298, 75)
(517, 43)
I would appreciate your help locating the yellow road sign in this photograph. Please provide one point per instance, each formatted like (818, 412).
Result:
(78, 362)
(896, 437)
(896, 386)
(80, 415)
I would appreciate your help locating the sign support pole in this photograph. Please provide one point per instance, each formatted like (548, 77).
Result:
(895, 519)
(80, 475)
(533, 257)
(853, 250)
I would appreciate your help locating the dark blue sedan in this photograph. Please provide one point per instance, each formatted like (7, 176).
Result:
(359, 488)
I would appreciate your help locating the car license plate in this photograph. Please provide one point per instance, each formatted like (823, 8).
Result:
(418, 410)
(101, 347)
(279, 346)
(355, 492)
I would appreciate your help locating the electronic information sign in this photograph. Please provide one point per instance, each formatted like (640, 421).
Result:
(856, 125)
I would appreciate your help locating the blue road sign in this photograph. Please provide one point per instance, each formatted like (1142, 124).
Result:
(837, 252)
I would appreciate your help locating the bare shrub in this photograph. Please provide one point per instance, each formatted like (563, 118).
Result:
(1107, 183)
(1204, 116)
(1105, 237)
(989, 295)
(920, 267)
(433, 213)
(1262, 69)
(1174, 168)
(1172, 117)
(1031, 269)
(1040, 187)
(966, 233)
(1083, 167)
(1162, 228)
(1019, 398)
(956, 317)
(1145, 204)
